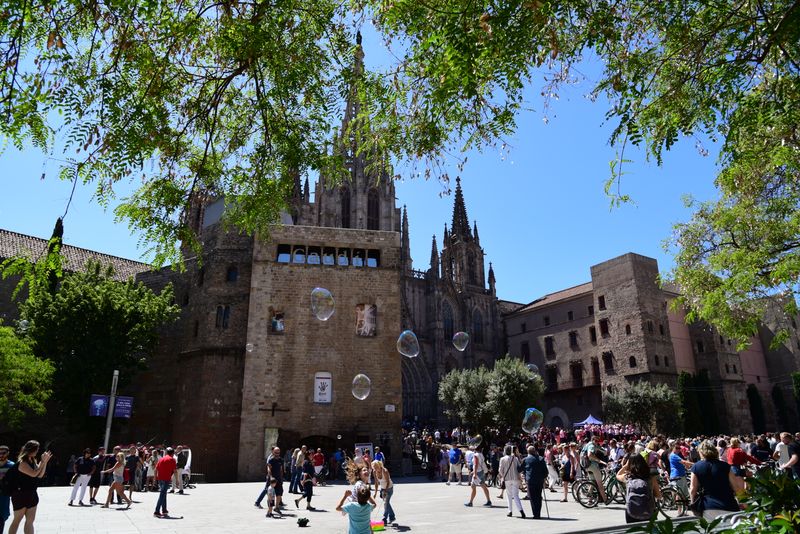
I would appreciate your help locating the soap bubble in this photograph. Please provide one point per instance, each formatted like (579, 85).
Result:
(361, 386)
(533, 368)
(407, 344)
(338, 436)
(475, 441)
(23, 326)
(322, 304)
(460, 341)
(532, 421)
(249, 347)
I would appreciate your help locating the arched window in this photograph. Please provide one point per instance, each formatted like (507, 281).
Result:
(373, 210)
(472, 274)
(447, 319)
(627, 329)
(632, 362)
(477, 326)
(345, 205)
(658, 360)
(608, 362)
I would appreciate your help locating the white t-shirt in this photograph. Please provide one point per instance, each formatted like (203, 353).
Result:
(783, 450)
(468, 458)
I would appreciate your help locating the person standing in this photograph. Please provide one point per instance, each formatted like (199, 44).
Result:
(508, 469)
(318, 460)
(715, 479)
(24, 498)
(792, 465)
(275, 469)
(95, 481)
(535, 471)
(383, 482)
(117, 484)
(132, 464)
(165, 469)
(5, 500)
(478, 477)
(306, 484)
(180, 464)
(84, 468)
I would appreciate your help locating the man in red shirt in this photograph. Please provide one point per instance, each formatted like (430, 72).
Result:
(165, 468)
(318, 460)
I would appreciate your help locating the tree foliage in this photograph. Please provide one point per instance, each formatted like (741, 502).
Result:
(693, 424)
(26, 379)
(233, 98)
(91, 325)
(653, 408)
(481, 398)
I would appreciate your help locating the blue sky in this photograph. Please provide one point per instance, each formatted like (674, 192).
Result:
(542, 215)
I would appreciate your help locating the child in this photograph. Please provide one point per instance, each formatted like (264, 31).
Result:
(273, 482)
(359, 511)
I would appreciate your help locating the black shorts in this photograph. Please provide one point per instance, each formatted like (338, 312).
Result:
(279, 488)
(94, 481)
(24, 499)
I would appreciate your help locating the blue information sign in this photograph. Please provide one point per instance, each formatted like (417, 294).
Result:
(98, 405)
(124, 407)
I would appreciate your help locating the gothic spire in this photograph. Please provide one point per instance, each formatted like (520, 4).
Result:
(306, 192)
(491, 279)
(460, 229)
(405, 250)
(475, 232)
(434, 256)
(297, 188)
(446, 238)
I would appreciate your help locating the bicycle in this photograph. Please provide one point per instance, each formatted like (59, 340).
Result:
(673, 503)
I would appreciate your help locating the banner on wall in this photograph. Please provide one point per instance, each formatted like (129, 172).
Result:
(323, 388)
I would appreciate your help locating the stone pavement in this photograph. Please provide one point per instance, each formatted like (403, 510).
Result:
(422, 507)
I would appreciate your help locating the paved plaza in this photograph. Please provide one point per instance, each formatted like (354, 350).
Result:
(422, 507)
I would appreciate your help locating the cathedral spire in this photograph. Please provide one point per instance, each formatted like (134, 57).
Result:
(405, 250)
(446, 238)
(306, 192)
(434, 269)
(297, 188)
(491, 279)
(475, 232)
(460, 229)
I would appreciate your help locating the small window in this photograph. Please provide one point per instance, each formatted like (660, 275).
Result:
(549, 346)
(758, 379)
(328, 256)
(196, 328)
(232, 275)
(186, 299)
(524, 327)
(573, 339)
(658, 360)
(627, 329)
(218, 320)
(650, 328)
(343, 258)
(734, 369)
(608, 362)
(569, 315)
(601, 302)
(226, 317)
(552, 377)
(590, 309)
(201, 276)
(729, 342)
(666, 361)
(525, 351)
(547, 320)
(721, 340)
(276, 324)
(604, 327)
(632, 362)
(700, 347)
(373, 258)
(661, 329)
(727, 368)
(359, 257)
(313, 256)
(593, 334)
(284, 254)
(447, 321)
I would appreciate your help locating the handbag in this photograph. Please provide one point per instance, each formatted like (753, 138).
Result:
(503, 483)
(697, 506)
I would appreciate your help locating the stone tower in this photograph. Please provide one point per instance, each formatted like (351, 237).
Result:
(462, 255)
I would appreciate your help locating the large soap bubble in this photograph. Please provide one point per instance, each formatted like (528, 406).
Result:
(532, 421)
(407, 344)
(249, 347)
(475, 441)
(460, 341)
(23, 326)
(322, 304)
(361, 386)
(533, 368)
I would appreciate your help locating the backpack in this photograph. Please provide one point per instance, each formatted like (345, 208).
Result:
(10, 482)
(583, 459)
(637, 498)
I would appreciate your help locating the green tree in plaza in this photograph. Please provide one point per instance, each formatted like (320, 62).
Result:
(498, 397)
(26, 379)
(235, 97)
(756, 409)
(653, 408)
(90, 325)
(690, 406)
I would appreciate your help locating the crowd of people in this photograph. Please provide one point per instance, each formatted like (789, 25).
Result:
(137, 467)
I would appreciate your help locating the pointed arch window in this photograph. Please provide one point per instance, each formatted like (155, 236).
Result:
(345, 205)
(477, 326)
(447, 319)
(373, 210)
